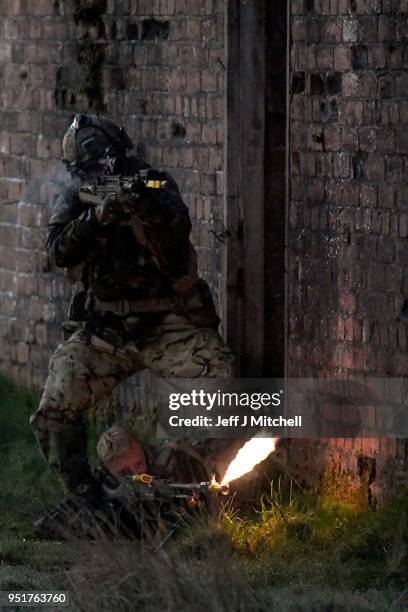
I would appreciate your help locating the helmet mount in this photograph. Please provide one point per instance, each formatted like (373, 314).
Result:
(93, 140)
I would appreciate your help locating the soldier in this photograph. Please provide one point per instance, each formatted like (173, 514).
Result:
(142, 304)
(122, 455)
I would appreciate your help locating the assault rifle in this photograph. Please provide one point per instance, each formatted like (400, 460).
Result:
(109, 192)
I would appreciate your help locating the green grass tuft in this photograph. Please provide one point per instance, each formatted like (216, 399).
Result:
(26, 485)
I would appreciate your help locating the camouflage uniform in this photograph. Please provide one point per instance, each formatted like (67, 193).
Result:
(123, 326)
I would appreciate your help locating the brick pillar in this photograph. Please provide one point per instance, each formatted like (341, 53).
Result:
(348, 248)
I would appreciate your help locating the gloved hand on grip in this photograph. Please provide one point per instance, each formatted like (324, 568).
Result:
(110, 211)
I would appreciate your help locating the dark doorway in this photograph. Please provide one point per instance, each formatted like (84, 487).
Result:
(256, 185)
(275, 186)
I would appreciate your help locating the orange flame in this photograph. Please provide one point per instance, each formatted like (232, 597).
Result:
(253, 452)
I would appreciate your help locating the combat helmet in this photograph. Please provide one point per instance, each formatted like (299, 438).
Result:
(93, 139)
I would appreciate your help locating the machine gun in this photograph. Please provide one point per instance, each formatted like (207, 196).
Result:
(144, 503)
(146, 488)
(126, 192)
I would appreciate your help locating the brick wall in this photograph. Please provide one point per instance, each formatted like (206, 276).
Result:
(158, 68)
(348, 274)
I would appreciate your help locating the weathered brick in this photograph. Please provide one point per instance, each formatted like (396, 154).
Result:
(209, 81)
(342, 58)
(323, 56)
(387, 29)
(364, 7)
(368, 29)
(402, 252)
(367, 139)
(376, 56)
(351, 84)
(350, 30)
(375, 168)
(368, 195)
(298, 7)
(5, 52)
(22, 353)
(299, 29)
(331, 30)
(11, 8)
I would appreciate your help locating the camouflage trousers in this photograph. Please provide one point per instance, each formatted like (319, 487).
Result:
(86, 368)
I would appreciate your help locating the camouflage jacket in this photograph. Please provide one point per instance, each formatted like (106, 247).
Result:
(114, 265)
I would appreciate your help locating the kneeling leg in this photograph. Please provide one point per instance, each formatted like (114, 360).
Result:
(79, 376)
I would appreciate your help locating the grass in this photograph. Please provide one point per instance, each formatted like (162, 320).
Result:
(25, 484)
(292, 551)
(303, 555)
(26, 488)
(325, 542)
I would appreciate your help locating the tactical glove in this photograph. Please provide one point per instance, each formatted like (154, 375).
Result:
(110, 211)
(86, 226)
